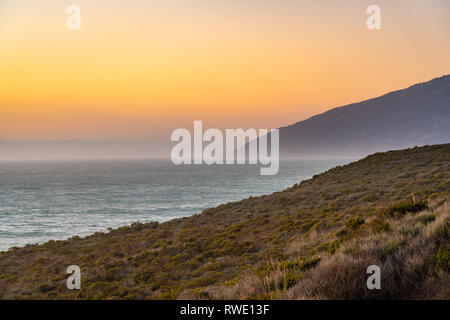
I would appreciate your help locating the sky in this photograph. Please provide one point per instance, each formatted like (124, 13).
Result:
(137, 70)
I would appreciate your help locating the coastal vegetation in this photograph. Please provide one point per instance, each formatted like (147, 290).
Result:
(313, 240)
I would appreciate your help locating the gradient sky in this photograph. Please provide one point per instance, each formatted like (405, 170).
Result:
(140, 69)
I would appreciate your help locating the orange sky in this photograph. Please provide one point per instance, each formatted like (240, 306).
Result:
(140, 69)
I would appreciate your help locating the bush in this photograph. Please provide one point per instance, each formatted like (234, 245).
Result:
(403, 208)
(333, 246)
(442, 258)
(379, 225)
(426, 219)
(354, 222)
(290, 279)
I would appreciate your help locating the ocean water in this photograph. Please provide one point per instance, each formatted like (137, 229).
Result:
(56, 200)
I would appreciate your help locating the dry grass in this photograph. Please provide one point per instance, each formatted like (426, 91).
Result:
(267, 247)
(406, 255)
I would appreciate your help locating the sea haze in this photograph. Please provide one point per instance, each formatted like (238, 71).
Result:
(40, 201)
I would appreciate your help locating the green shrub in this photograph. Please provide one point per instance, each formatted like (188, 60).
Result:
(301, 265)
(232, 282)
(378, 225)
(342, 233)
(403, 208)
(442, 258)
(304, 265)
(333, 246)
(172, 294)
(426, 219)
(290, 279)
(145, 276)
(354, 222)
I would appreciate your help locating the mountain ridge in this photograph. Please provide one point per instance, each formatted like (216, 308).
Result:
(415, 116)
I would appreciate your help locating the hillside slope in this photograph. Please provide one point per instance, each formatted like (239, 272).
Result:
(277, 241)
(416, 116)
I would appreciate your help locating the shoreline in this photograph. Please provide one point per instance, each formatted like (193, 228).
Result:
(303, 169)
(393, 204)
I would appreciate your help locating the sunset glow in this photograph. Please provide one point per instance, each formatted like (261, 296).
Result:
(139, 71)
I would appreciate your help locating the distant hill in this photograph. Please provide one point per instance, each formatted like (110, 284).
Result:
(416, 116)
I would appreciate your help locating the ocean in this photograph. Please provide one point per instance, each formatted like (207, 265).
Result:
(40, 201)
